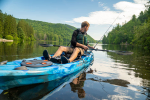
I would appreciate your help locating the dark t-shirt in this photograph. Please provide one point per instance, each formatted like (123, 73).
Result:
(74, 38)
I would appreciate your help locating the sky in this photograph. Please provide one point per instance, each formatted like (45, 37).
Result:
(99, 13)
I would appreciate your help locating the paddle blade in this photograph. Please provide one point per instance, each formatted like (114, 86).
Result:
(46, 45)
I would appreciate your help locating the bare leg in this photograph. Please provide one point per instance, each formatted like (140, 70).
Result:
(60, 50)
(74, 54)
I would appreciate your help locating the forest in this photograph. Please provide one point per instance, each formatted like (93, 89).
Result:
(10, 29)
(29, 30)
(50, 31)
(134, 32)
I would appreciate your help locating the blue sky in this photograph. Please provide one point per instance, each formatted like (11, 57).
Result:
(99, 13)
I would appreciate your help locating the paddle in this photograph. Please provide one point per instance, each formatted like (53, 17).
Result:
(118, 52)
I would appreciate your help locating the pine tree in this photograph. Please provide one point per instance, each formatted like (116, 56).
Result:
(1, 24)
(21, 24)
(20, 33)
(141, 17)
(134, 18)
(7, 26)
(10, 26)
(104, 41)
(13, 27)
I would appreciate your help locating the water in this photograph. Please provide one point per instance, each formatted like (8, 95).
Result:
(112, 76)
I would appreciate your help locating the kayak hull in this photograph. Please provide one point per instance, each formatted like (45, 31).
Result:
(10, 78)
(29, 92)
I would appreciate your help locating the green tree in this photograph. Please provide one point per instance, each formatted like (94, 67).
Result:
(104, 41)
(20, 32)
(134, 18)
(1, 24)
(10, 26)
(9, 37)
(27, 30)
(141, 17)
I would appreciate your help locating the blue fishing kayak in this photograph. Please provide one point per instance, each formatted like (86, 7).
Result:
(12, 76)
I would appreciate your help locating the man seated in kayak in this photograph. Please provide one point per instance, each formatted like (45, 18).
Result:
(78, 45)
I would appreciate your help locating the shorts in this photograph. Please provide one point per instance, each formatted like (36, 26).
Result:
(70, 50)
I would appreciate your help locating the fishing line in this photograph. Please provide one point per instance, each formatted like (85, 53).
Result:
(109, 27)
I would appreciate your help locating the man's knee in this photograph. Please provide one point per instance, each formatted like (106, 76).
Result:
(62, 48)
(77, 49)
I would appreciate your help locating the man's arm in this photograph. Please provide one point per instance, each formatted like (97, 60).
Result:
(82, 46)
(75, 43)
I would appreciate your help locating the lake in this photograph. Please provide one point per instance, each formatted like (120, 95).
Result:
(110, 77)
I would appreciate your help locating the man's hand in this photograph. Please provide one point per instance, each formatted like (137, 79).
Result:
(85, 47)
(91, 47)
(82, 46)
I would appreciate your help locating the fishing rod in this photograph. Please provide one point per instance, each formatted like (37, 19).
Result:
(108, 28)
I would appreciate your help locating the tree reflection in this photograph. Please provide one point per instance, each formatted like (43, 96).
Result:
(139, 61)
(21, 50)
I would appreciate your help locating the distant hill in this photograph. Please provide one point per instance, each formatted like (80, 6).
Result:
(51, 31)
(69, 26)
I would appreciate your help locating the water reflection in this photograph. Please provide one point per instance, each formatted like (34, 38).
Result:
(118, 82)
(139, 62)
(137, 65)
(112, 76)
(77, 85)
(13, 51)
(21, 50)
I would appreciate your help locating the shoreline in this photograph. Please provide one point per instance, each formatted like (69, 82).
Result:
(5, 40)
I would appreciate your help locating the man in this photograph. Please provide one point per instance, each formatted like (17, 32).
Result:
(78, 45)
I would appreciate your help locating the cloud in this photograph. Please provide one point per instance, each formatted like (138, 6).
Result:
(98, 17)
(141, 1)
(105, 8)
(124, 9)
(69, 21)
(100, 4)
